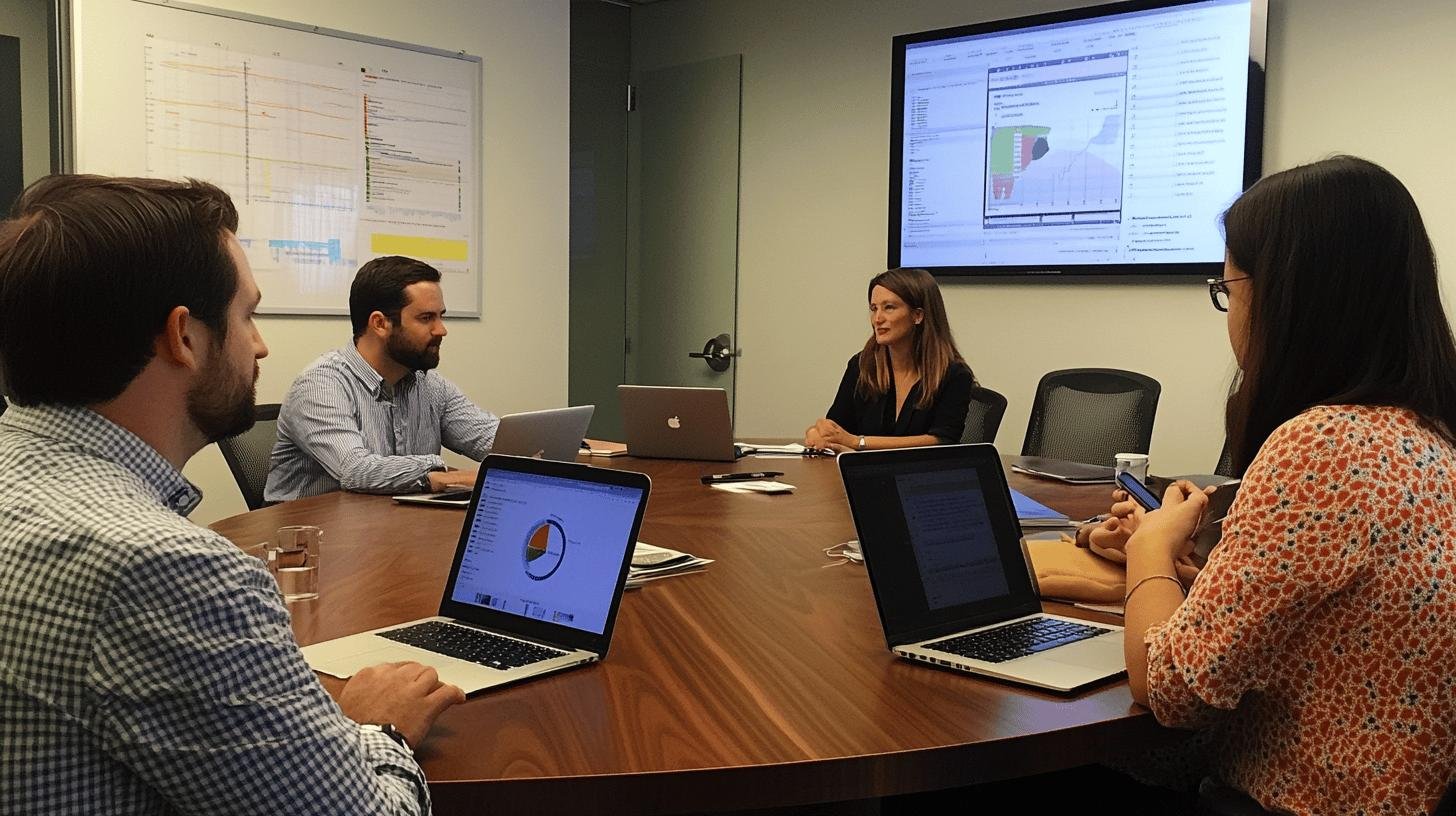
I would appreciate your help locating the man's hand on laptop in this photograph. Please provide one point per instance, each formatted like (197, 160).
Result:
(408, 696)
(443, 480)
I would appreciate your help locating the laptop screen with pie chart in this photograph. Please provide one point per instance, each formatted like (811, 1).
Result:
(546, 547)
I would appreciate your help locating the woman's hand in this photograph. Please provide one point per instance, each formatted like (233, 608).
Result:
(831, 434)
(1108, 537)
(812, 439)
(1169, 530)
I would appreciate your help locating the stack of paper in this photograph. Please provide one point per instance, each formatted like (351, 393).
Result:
(1032, 513)
(758, 486)
(795, 449)
(650, 563)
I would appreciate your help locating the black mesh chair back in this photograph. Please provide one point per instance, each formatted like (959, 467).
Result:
(983, 418)
(1092, 414)
(247, 455)
(1225, 466)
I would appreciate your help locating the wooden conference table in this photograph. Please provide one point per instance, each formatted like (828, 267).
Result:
(762, 682)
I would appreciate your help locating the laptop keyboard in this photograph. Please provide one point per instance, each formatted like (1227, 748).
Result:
(474, 645)
(1017, 639)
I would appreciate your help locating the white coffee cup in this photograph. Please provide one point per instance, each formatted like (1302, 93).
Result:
(1134, 463)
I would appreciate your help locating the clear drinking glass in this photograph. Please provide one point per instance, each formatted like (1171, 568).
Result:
(296, 549)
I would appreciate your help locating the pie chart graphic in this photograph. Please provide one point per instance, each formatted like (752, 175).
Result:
(545, 547)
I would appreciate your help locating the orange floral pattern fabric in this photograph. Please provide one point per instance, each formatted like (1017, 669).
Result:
(1319, 642)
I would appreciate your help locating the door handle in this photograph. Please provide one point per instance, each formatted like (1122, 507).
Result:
(717, 353)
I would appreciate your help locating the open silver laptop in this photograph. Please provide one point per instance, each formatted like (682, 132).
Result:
(555, 433)
(943, 548)
(677, 422)
(535, 584)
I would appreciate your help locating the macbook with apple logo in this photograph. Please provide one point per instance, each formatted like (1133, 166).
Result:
(677, 422)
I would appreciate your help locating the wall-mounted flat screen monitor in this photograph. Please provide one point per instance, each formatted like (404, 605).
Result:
(1098, 141)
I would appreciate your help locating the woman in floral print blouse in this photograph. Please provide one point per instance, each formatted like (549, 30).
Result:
(1318, 645)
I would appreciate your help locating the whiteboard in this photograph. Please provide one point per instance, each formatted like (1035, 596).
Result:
(336, 148)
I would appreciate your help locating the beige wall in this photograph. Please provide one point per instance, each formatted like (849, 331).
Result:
(1345, 76)
(27, 20)
(514, 358)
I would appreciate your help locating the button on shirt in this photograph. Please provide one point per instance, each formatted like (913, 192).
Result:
(147, 665)
(342, 427)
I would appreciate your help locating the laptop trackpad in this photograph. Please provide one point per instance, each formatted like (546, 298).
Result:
(1102, 653)
(346, 656)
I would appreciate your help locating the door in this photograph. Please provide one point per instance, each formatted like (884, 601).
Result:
(683, 297)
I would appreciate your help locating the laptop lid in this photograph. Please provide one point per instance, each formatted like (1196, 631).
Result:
(677, 422)
(544, 550)
(940, 539)
(555, 433)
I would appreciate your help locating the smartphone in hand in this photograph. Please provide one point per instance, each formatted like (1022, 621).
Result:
(1138, 491)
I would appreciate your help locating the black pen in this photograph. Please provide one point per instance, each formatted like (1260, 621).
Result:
(741, 477)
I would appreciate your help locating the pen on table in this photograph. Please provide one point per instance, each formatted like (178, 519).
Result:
(741, 477)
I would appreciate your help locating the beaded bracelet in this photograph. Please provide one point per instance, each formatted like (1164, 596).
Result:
(1128, 596)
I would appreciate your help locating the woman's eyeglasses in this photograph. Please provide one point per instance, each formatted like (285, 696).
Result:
(1218, 291)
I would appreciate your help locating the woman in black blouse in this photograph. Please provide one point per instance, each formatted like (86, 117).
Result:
(909, 386)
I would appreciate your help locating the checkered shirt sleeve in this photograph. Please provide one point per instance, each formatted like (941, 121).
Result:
(146, 664)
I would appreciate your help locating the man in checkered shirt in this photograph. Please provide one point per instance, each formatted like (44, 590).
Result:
(146, 664)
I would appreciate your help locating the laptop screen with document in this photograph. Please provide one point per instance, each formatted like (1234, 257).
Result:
(940, 538)
(951, 537)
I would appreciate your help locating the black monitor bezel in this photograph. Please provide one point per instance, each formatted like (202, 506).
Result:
(1253, 143)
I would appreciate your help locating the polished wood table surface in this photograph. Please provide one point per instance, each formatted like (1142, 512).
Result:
(764, 681)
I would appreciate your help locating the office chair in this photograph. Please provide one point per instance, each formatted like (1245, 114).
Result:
(247, 455)
(983, 418)
(1225, 466)
(1091, 414)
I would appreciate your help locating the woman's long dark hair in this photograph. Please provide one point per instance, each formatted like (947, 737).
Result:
(1344, 306)
(934, 348)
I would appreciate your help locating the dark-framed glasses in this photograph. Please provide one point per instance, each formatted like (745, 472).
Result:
(1218, 291)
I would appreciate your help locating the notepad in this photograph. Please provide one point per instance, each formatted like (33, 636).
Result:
(599, 447)
(1031, 513)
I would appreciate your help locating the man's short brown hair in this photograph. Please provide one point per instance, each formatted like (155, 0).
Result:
(90, 267)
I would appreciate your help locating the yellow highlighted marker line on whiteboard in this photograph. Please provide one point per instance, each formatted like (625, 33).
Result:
(442, 249)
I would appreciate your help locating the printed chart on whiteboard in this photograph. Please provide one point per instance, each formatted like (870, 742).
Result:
(329, 166)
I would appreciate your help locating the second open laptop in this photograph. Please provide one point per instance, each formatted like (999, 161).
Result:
(944, 553)
(554, 433)
(675, 422)
(535, 584)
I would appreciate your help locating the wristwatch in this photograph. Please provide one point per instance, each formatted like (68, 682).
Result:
(424, 481)
(388, 730)
(861, 443)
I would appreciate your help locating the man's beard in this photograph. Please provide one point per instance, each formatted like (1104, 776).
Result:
(415, 359)
(221, 404)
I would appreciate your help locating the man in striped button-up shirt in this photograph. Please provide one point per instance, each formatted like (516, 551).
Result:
(146, 664)
(372, 416)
